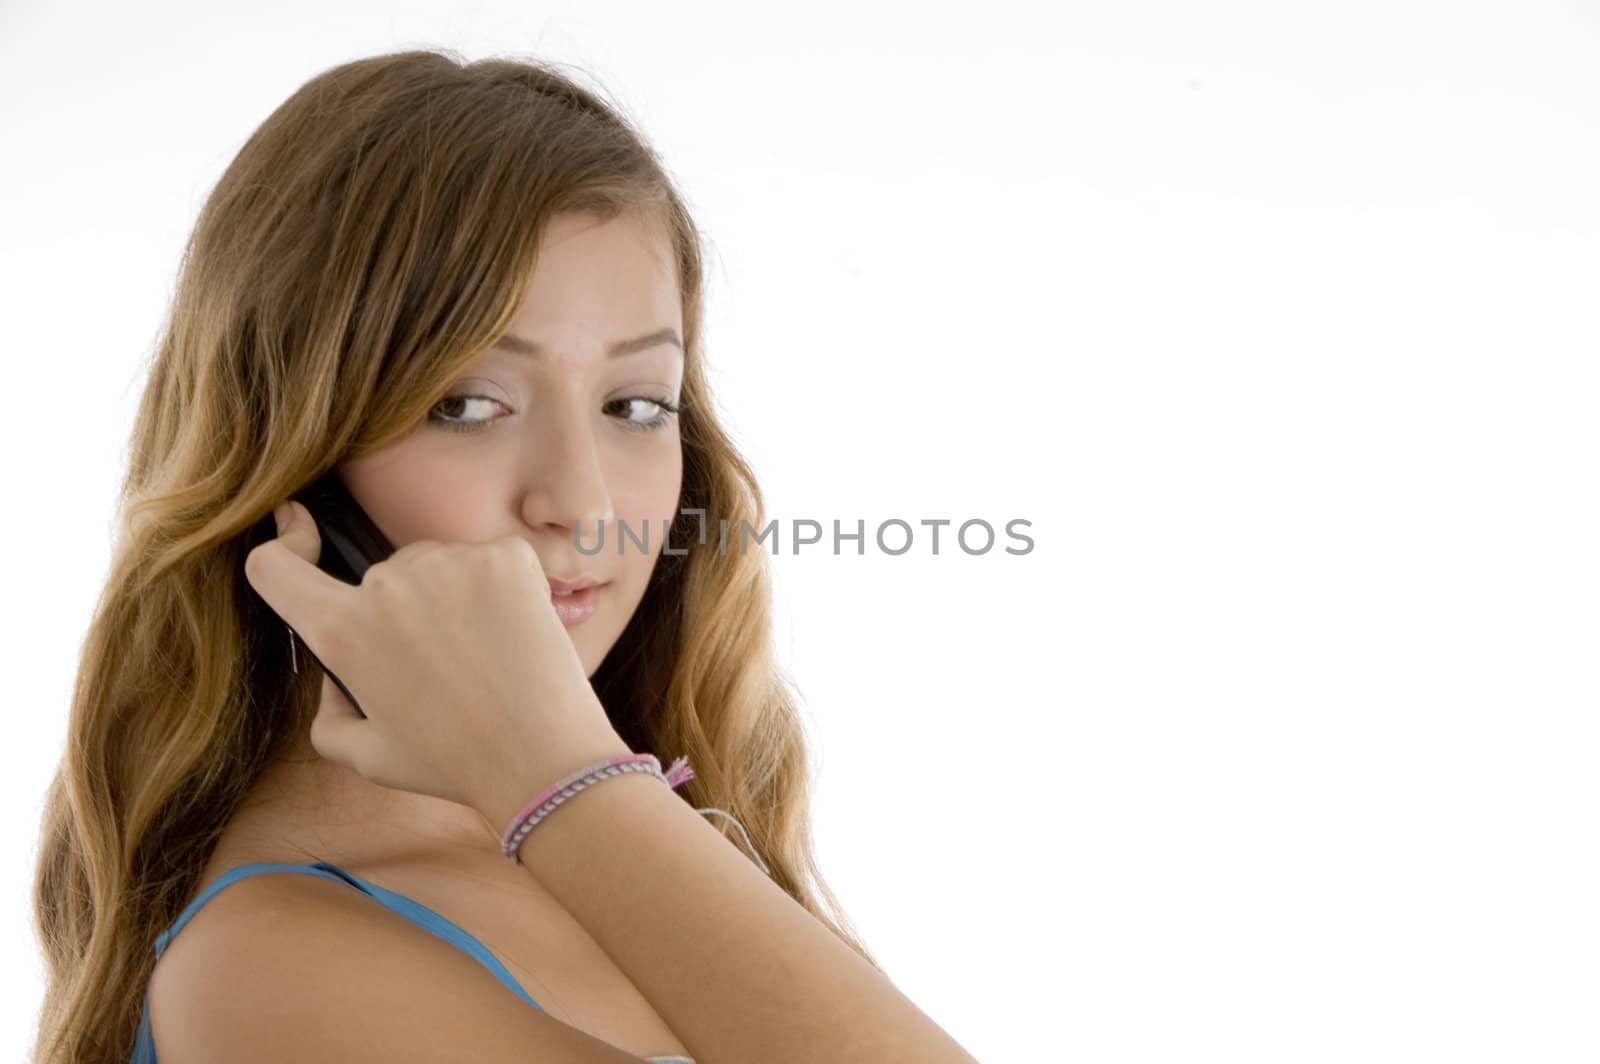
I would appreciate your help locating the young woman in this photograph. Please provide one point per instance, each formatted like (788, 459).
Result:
(471, 291)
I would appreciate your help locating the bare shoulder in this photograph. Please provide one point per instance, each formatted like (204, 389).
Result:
(297, 967)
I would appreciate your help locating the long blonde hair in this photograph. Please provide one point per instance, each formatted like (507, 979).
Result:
(369, 240)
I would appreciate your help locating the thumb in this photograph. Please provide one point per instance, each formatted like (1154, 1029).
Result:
(297, 532)
(283, 570)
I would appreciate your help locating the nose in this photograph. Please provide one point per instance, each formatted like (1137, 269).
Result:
(565, 477)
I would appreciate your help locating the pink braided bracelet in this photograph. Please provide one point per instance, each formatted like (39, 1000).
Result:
(560, 791)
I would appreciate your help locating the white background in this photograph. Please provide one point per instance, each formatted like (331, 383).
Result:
(1278, 323)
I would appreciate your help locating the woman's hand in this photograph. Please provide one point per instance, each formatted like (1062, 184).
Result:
(469, 681)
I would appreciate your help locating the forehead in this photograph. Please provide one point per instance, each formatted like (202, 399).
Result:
(596, 281)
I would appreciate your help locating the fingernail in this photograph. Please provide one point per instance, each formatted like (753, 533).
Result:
(281, 515)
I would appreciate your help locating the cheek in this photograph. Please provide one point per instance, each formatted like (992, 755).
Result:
(646, 498)
(647, 490)
(416, 491)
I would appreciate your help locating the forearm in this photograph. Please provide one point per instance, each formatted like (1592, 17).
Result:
(738, 969)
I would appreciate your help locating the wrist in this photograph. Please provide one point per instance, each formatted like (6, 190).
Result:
(507, 795)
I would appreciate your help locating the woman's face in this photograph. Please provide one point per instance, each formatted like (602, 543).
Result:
(564, 432)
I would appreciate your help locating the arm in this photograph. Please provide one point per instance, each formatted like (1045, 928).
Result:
(735, 966)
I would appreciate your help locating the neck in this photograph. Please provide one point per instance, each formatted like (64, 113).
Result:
(303, 796)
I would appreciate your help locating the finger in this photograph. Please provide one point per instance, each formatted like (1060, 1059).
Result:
(334, 732)
(283, 571)
(403, 555)
(415, 549)
(527, 555)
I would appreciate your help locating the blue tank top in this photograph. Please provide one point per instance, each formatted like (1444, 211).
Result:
(144, 1047)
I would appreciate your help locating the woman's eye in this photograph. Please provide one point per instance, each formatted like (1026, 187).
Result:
(664, 411)
(454, 402)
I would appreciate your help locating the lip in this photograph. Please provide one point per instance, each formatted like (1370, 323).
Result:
(577, 583)
(577, 607)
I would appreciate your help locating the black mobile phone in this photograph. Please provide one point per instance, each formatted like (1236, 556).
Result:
(351, 543)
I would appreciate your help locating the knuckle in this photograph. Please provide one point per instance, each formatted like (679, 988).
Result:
(410, 550)
(517, 550)
(484, 556)
(252, 563)
(515, 558)
(378, 574)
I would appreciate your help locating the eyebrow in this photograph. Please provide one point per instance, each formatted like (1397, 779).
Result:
(518, 346)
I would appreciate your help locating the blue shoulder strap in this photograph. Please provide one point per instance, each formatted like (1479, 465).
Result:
(431, 921)
(144, 1050)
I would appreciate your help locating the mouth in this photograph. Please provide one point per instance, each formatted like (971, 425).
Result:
(578, 605)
